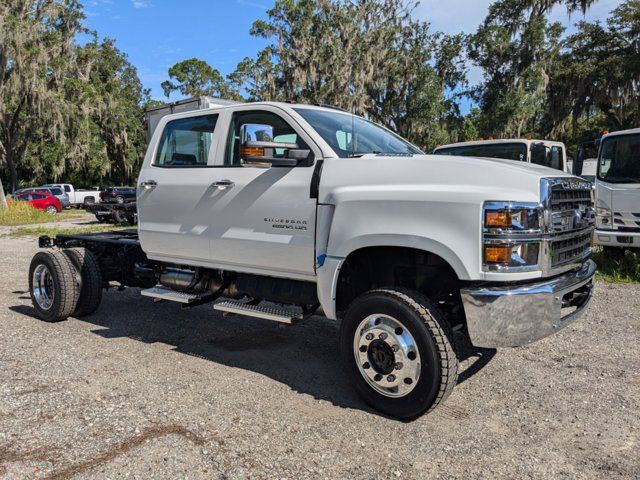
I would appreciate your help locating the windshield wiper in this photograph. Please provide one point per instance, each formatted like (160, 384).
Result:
(360, 154)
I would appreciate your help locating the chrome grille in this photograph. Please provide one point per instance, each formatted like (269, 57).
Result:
(566, 250)
(563, 200)
(571, 220)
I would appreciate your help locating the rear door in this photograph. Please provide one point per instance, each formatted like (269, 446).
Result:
(174, 189)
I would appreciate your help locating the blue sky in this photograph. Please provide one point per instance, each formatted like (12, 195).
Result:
(156, 34)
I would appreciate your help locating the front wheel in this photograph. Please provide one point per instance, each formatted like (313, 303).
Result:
(398, 351)
(51, 210)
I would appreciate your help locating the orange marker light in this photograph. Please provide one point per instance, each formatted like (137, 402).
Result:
(251, 152)
(497, 220)
(493, 254)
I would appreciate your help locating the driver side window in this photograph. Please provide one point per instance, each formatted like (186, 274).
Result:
(257, 126)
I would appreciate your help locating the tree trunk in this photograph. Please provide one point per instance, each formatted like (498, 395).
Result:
(3, 199)
(13, 171)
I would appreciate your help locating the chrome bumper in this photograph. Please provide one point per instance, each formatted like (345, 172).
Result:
(511, 316)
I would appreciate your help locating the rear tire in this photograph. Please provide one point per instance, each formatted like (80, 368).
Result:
(398, 351)
(119, 216)
(53, 285)
(88, 268)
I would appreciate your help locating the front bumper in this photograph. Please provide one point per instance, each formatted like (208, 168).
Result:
(510, 316)
(616, 238)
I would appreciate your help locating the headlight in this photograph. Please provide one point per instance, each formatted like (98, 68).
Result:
(511, 236)
(510, 217)
(604, 215)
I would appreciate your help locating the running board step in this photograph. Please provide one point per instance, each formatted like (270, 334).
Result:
(267, 312)
(186, 298)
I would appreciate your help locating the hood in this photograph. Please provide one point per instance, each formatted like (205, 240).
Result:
(472, 178)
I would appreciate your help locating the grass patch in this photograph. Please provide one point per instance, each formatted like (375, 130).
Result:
(52, 231)
(623, 270)
(20, 213)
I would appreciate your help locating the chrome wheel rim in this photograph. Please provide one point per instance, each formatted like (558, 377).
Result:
(51, 210)
(387, 355)
(43, 287)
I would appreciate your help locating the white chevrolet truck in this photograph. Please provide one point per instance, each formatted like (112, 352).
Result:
(282, 211)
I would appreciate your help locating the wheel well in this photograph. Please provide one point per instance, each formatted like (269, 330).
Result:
(423, 271)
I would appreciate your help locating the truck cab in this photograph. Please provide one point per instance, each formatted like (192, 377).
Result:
(541, 152)
(618, 191)
(282, 211)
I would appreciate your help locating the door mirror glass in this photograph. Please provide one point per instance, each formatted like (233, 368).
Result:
(255, 132)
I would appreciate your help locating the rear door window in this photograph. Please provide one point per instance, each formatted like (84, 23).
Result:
(186, 142)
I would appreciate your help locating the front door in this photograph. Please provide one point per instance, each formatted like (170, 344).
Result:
(264, 219)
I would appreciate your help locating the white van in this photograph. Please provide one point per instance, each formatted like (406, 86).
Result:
(542, 152)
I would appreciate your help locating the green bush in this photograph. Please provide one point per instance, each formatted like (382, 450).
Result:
(20, 213)
(623, 270)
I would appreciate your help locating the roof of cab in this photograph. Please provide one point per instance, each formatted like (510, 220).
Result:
(631, 131)
(497, 142)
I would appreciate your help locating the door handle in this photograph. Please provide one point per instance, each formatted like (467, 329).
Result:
(149, 184)
(223, 184)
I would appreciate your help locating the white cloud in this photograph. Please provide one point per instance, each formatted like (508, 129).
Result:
(249, 3)
(455, 16)
(140, 3)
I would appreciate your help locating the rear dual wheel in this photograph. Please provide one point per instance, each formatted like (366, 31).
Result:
(63, 283)
(398, 352)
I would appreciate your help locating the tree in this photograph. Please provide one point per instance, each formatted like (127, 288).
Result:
(118, 97)
(194, 78)
(598, 75)
(36, 56)
(517, 49)
(366, 56)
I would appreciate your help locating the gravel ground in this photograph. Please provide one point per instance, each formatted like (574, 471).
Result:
(143, 390)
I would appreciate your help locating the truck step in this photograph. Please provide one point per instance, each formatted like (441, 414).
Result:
(185, 298)
(267, 312)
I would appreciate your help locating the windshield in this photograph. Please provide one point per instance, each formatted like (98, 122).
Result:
(510, 151)
(352, 136)
(619, 160)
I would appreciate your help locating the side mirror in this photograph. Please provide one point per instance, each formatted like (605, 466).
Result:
(263, 154)
(578, 162)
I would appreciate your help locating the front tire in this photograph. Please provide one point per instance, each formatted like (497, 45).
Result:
(53, 285)
(398, 351)
(51, 210)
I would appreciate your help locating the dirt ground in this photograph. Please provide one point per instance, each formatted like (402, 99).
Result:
(144, 390)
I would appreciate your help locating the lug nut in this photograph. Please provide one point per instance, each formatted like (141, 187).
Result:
(391, 378)
(399, 366)
(382, 336)
(395, 348)
(369, 336)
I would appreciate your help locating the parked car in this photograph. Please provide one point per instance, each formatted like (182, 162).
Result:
(40, 200)
(118, 194)
(78, 197)
(55, 191)
(281, 211)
